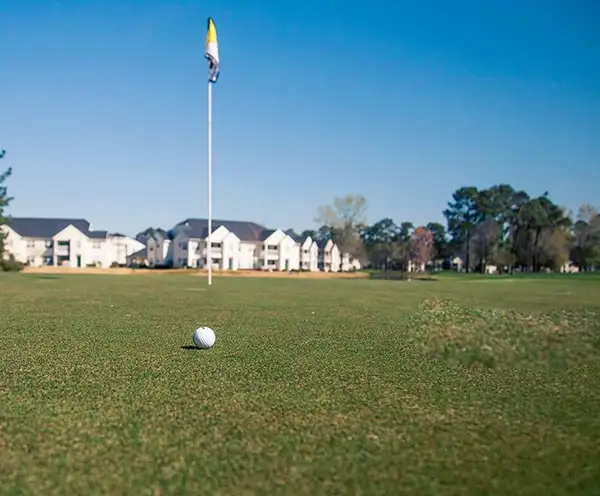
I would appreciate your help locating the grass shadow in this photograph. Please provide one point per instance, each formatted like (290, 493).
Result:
(400, 276)
(189, 347)
(42, 276)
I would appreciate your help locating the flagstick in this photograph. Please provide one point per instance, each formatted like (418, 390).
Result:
(208, 239)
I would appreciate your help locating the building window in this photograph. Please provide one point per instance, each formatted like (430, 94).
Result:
(49, 244)
(271, 262)
(96, 245)
(183, 245)
(272, 247)
(215, 245)
(30, 244)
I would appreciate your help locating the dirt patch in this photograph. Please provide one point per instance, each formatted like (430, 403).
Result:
(202, 273)
(80, 270)
(290, 275)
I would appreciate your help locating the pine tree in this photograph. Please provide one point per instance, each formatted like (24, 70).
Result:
(4, 202)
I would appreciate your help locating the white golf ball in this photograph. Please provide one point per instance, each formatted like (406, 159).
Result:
(204, 337)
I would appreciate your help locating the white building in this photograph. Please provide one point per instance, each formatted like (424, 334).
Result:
(309, 255)
(158, 248)
(329, 257)
(279, 251)
(234, 245)
(138, 258)
(120, 247)
(349, 263)
(65, 242)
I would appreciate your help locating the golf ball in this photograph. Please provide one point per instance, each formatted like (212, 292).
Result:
(204, 337)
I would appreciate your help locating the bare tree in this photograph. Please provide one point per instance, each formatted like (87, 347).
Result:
(344, 217)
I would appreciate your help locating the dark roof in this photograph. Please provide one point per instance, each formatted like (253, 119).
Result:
(266, 233)
(159, 234)
(34, 227)
(295, 236)
(151, 232)
(198, 228)
(138, 254)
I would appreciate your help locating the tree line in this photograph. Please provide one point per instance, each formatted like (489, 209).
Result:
(499, 226)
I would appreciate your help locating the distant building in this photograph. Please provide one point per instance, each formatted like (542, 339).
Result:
(65, 242)
(240, 245)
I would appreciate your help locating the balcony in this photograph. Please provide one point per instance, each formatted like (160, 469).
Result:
(62, 251)
(214, 252)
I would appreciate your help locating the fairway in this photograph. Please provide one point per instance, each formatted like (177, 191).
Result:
(453, 386)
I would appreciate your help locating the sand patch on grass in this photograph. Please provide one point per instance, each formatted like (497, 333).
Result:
(202, 273)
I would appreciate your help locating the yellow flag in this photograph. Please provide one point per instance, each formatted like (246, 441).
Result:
(211, 52)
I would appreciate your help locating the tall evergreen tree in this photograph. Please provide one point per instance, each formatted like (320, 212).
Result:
(4, 202)
(463, 214)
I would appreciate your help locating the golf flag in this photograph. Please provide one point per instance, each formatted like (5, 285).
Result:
(212, 52)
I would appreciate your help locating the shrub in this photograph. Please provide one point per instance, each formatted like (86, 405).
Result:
(10, 264)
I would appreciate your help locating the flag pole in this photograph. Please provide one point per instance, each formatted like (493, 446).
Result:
(208, 238)
(212, 55)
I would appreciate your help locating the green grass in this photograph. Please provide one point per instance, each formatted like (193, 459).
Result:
(454, 386)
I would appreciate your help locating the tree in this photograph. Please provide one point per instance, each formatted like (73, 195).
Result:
(440, 240)
(507, 252)
(421, 246)
(486, 239)
(554, 248)
(406, 230)
(308, 233)
(4, 202)
(344, 217)
(462, 216)
(381, 241)
(586, 238)
(494, 207)
(535, 218)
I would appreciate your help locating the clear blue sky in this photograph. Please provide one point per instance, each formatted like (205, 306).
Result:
(103, 106)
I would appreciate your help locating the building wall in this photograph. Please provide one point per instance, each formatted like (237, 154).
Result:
(180, 255)
(192, 252)
(120, 247)
(194, 258)
(83, 250)
(336, 259)
(230, 259)
(160, 251)
(102, 252)
(349, 263)
(26, 250)
(248, 254)
(288, 254)
(314, 257)
(309, 255)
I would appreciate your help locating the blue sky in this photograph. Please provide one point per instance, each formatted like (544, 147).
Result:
(103, 106)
